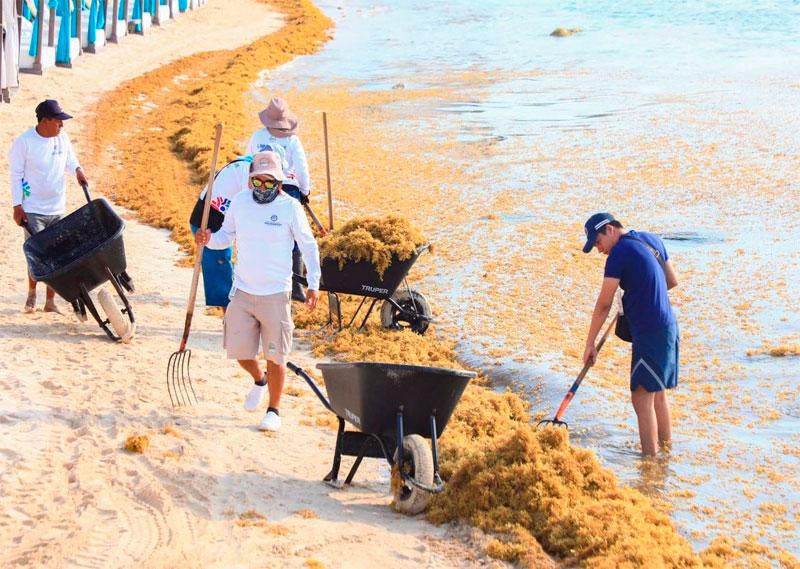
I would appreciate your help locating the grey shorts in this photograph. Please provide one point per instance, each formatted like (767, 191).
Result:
(251, 318)
(38, 221)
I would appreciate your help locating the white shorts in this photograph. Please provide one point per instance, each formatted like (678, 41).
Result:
(251, 318)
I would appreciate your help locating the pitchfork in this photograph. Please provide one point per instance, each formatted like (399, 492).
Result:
(571, 393)
(178, 365)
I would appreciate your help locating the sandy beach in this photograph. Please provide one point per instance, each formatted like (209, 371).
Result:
(211, 491)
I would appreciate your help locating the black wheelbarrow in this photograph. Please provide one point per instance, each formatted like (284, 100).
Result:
(78, 254)
(403, 307)
(395, 408)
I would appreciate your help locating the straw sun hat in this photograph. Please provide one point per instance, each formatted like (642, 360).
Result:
(278, 119)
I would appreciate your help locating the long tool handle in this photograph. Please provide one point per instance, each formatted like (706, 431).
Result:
(203, 224)
(327, 168)
(315, 220)
(582, 374)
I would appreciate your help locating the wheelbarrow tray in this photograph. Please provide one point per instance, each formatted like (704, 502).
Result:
(368, 395)
(361, 277)
(77, 249)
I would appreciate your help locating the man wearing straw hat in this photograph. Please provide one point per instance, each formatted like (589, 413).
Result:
(37, 161)
(265, 223)
(280, 128)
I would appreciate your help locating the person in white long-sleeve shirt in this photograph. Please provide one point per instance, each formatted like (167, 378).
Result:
(37, 161)
(265, 223)
(218, 263)
(280, 130)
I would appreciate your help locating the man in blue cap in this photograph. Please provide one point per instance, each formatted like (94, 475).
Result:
(37, 161)
(638, 263)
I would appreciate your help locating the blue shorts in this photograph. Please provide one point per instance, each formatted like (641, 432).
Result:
(655, 358)
(217, 274)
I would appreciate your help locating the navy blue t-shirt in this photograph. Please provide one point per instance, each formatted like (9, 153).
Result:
(645, 302)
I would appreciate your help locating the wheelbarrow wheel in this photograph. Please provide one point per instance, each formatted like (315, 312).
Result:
(118, 322)
(415, 315)
(417, 463)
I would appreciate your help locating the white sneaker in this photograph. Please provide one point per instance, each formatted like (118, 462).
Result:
(270, 422)
(255, 397)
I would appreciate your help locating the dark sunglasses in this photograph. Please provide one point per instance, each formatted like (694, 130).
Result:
(266, 184)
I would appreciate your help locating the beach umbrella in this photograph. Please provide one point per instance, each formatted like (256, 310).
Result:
(92, 28)
(32, 47)
(136, 14)
(100, 8)
(9, 49)
(63, 9)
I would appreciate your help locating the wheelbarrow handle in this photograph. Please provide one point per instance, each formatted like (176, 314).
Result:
(297, 370)
(86, 192)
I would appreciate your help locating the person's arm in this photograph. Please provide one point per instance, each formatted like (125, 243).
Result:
(73, 165)
(601, 309)
(16, 166)
(672, 278)
(221, 239)
(300, 165)
(302, 234)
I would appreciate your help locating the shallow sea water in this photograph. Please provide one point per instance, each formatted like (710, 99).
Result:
(682, 119)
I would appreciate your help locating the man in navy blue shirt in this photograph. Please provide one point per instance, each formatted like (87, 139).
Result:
(639, 264)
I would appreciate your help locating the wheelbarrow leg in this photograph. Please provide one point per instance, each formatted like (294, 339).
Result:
(435, 450)
(363, 300)
(333, 476)
(334, 307)
(369, 311)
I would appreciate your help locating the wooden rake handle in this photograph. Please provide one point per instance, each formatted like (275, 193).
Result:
(582, 374)
(203, 224)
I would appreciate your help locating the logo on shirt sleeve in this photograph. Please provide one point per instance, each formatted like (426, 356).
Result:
(220, 204)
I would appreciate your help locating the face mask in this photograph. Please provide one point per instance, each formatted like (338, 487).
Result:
(265, 196)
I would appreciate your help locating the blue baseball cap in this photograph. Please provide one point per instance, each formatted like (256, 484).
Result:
(592, 228)
(50, 109)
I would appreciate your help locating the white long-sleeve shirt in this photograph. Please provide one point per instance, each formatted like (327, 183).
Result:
(297, 169)
(37, 167)
(265, 236)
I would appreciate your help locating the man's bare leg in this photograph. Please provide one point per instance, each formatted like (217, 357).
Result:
(30, 302)
(253, 367)
(663, 417)
(50, 301)
(276, 376)
(646, 415)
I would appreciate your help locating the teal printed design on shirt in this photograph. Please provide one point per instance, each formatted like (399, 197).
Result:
(26, 189)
